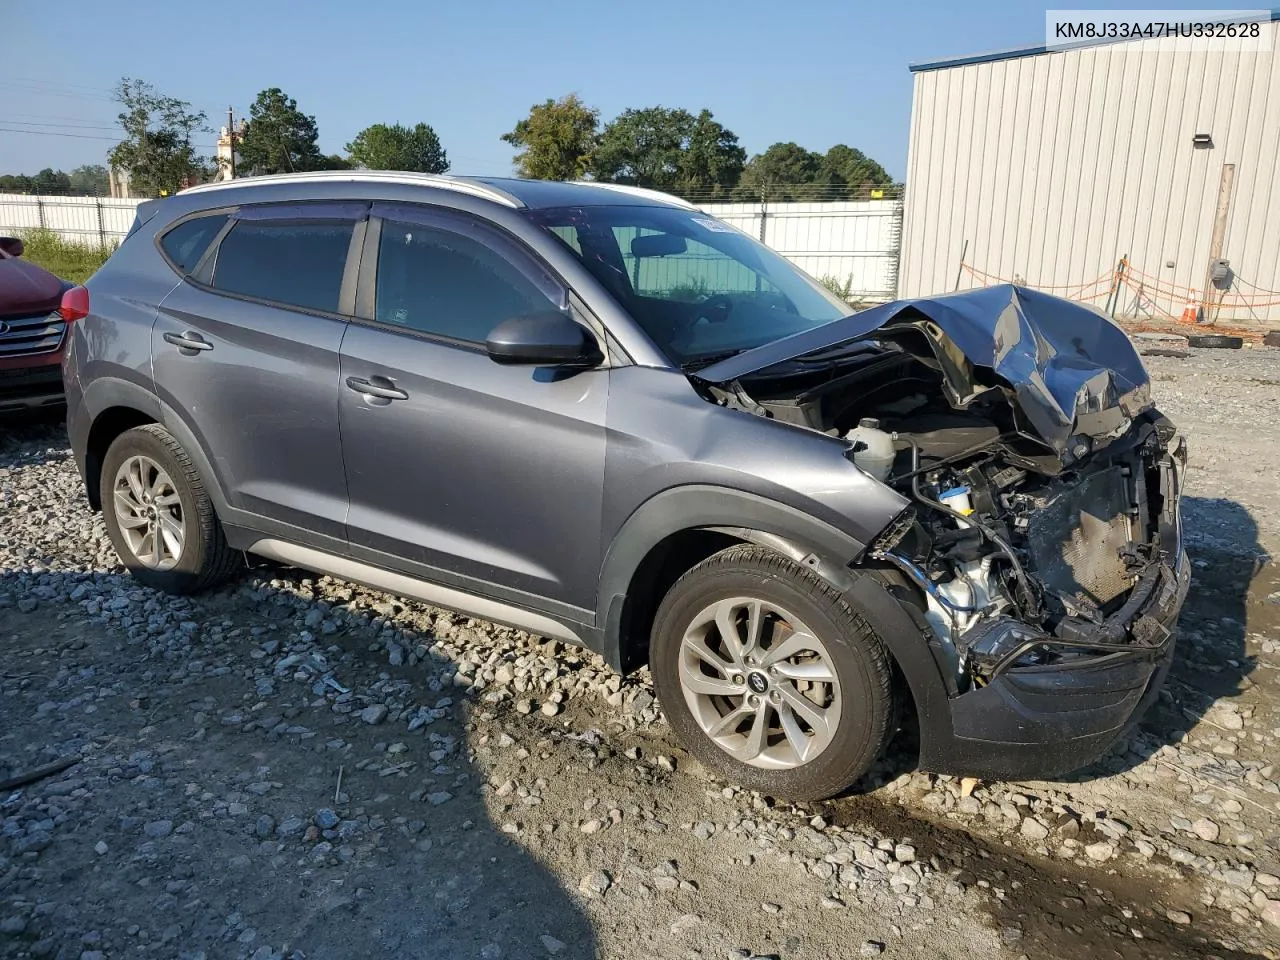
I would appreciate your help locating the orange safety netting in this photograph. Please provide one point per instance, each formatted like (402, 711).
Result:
(1147, 290)
(1076, 291)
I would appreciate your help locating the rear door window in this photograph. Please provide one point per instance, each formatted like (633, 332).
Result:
(186, 243)
(298, 263)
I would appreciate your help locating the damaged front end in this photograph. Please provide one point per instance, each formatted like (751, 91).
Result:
(1045, 536)
(1023, 570)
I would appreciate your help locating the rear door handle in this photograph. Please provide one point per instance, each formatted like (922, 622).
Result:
(188, 341)
(382, 390)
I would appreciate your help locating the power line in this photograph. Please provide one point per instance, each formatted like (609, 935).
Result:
(53, 117)
(54, 133)
(46, 123)
(86, 136)
(59, 83)
(11, 88)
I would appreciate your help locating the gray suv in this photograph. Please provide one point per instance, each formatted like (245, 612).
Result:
(597, 414)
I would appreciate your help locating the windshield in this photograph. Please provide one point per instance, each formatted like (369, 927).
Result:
(701, 289)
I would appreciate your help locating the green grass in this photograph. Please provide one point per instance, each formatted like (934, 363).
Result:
(71, 261)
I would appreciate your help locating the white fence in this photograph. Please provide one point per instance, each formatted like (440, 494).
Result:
(854, 242)
(89, 220)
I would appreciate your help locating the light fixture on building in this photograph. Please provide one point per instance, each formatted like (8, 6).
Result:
(1202, 140)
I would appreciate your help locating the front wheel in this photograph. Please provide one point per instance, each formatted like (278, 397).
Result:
(770, 677)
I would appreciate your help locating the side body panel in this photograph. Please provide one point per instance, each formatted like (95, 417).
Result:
(495, 473)
(108, 353)
(262, 402)
(561, 483)
(663, 435)
(676, 462)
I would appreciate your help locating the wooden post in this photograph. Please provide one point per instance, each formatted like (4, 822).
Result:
(1225, 186)
(960, 269)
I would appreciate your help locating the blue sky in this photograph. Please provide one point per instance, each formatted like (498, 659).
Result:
(818, 73)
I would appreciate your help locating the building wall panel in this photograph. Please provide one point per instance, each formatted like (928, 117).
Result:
(1052, 166)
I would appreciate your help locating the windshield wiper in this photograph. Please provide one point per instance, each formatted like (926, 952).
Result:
(702, 360)
(839, 351)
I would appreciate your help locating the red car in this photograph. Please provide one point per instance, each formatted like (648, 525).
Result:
(33, 320)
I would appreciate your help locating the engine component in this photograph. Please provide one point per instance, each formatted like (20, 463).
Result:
(1078, 539)
(957, 498)
(873, 450)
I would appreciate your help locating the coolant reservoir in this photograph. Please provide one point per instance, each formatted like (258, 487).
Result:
(872, 448)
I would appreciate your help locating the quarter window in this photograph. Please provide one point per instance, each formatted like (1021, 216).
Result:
(449, 285)
(186, 243)
(299, 263)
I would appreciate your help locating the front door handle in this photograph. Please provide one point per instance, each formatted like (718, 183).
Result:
(188, 341)
(379, 387)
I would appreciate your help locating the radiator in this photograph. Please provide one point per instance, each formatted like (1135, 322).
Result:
(1076, 536)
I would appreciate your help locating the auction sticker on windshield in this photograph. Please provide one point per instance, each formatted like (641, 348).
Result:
(713, 225)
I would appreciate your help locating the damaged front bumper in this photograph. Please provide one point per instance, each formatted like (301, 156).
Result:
(1043, 720)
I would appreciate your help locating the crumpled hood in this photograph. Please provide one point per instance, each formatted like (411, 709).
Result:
(1071, 369)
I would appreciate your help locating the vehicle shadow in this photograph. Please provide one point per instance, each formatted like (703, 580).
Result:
(1230, 582)
(235, 695)
(1231, 578)
(39, 431)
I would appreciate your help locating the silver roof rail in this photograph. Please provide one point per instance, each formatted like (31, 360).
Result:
(640, 192)
(364, 176)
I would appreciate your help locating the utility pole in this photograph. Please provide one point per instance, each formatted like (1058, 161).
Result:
(231, 136)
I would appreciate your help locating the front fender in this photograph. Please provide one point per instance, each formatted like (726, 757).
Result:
(744, 515)
(793, 533)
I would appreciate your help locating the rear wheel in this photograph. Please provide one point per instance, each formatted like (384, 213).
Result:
(770, 676)
(158, 515)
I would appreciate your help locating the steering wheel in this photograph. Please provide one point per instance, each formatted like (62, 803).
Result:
(715, 309)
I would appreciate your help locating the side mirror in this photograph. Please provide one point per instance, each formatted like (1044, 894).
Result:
(12, 246)
(548, 339)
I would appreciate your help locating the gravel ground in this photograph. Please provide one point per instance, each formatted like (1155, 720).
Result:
(296, 767)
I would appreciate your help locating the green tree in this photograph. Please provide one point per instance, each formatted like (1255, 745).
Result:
(156, 150)
(278, 137)
(334, 161)
(91, 180)
(16, 183)
(669, 149)
(51, 183)
(853, 169)
(785, 171)
(713, 160)
(556, 139)
(396, 147)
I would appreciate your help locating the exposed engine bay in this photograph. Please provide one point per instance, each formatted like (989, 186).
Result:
(1038, 530)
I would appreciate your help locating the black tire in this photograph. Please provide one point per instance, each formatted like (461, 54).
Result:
(1215, 340)
(858, 657)
(205, 560)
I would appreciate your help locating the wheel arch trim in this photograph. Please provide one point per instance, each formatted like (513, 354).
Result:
(745, 516)
(103, 393)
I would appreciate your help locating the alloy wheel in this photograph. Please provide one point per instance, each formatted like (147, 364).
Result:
(149, 513)
(759, 683)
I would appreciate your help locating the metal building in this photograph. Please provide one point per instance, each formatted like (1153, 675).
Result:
(1048, 167)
